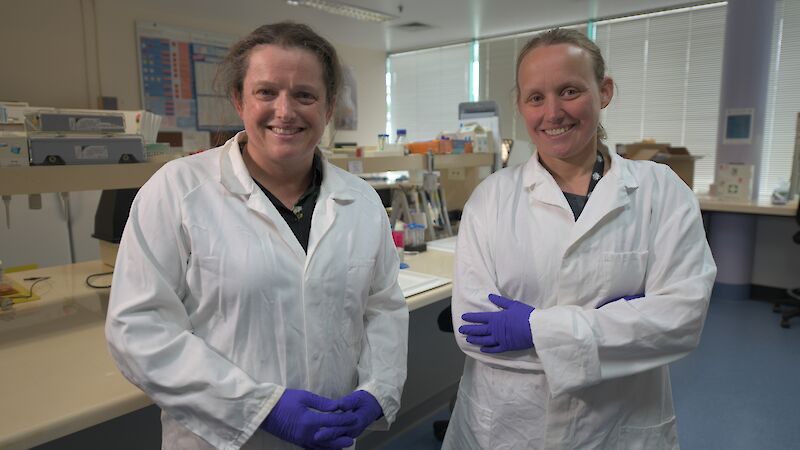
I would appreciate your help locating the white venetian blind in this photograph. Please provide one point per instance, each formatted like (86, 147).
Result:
(783, 98)
(667, 70)
(426, 88)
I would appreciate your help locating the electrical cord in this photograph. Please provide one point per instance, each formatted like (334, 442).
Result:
(8, 302)
(95, 275)
(36, 280)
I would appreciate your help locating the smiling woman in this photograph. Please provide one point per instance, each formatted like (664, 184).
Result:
(246, 273)
(579, 276)
(284, 107)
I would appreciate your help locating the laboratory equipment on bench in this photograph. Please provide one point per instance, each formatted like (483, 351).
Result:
(424, 204)
(486, 114)
(61, 150)
(75, 122)
(59, 137)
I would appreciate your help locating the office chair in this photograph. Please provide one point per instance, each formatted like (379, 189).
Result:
(793, 292)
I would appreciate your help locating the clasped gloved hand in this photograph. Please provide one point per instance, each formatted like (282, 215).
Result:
(300, 415)
(502, 331)
(361, 404)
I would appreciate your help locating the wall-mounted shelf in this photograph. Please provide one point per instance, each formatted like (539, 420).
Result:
(372, 164)
(41, 179)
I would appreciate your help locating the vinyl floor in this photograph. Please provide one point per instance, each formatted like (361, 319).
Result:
(739, 390)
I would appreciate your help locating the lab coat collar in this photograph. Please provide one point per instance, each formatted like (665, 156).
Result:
(334, 192)
(237, 179)
(537, 180)
(232, 171)
(611, 193)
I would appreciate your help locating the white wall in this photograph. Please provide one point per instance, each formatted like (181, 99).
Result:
(66, 53)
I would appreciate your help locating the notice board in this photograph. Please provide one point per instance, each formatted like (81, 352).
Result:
(177, 68)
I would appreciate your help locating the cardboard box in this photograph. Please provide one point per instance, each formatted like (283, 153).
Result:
(677, 158)
(14, 149)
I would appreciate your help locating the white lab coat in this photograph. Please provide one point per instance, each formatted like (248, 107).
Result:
(596, 378)
(215, 308)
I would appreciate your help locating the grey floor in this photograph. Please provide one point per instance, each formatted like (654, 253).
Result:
(740, 389)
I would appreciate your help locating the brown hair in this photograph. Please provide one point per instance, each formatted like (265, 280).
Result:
(232, 70)
(572, 37)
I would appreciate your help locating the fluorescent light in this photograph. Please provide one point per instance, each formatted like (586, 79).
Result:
(353, 12)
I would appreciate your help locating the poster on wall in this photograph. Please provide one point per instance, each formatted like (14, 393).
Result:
(346, 115)
(177, 69)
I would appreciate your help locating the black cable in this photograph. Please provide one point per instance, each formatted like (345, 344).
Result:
(95, 275)
(36, 280)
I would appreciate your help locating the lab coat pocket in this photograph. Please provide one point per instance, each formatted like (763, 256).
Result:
(663, 436)
(356, 292)
(473, 424)
(623, 274)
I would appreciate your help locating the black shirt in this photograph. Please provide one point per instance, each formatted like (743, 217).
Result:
(299, 217)
(578, 202)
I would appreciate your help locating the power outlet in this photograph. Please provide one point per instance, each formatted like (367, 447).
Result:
(456, 174)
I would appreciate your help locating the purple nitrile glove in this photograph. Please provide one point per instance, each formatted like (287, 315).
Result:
(299, 415)
(364, 406)
(626, 298)
(501, 331)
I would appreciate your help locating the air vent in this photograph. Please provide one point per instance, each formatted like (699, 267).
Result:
(412, 26)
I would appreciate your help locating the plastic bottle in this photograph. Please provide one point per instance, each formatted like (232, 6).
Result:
(401, 137)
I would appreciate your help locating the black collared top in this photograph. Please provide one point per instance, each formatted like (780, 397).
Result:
(299, 217)
(578, 202)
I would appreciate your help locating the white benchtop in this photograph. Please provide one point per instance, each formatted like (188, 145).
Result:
(57, 375)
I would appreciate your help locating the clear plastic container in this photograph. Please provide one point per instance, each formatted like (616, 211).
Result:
(415, 237)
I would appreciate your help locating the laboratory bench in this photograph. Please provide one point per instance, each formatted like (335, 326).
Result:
(759, 207)
(58, 377)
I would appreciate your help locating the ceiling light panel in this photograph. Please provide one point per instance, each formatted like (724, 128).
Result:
(342, 9)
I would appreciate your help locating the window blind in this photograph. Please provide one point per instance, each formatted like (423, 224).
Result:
(783, 98)
(426, 87)
(667, 70)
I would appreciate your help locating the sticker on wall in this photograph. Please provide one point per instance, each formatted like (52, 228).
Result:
(738, 126)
